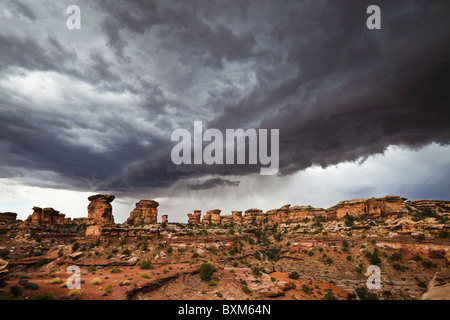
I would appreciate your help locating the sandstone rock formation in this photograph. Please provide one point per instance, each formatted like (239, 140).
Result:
(195, 218)
(439, 286)
(3, 272)
(46, 216)
(99, 214)
(212, 217)
(372, 208)
(8, 216)
(433, 205)
(146, 212)
(100, 209)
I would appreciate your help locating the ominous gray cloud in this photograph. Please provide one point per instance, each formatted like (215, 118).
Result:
(212, 183)
(97, 106)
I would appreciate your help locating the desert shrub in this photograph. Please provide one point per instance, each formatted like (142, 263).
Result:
(212, 283)
(422, 284)
(329, 295)
(108, 288)
(91, 268)
(75, 294)
(115, 270)
(396, 256)
(146, 264)
(75, 246)
(417, 258)
(256, 271)
(146, 276)
(125, 283)
(55, 281)
(195, 255)
(428, 264)
(364, 294)
(31, 286)
(443, 234)
(96, 281)
(41, 262)
(306, 289)
(399, 267)
(126, 252)
(44, 296)
(294, 275)
(373, 257)
(245, 289)
(206, 271)
(219, 294)
(16, 291)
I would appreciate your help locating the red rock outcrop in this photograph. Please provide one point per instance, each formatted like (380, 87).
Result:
(212, 217)
(3, 272)
(46, 216)
(99, 214)
(8, 216)
(373, 208)
(165, 218)
(100, 209)
(433, 205)
(146, 212)
(195, 218)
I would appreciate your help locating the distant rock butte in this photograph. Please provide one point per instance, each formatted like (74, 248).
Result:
(99, 214)
(146, 212)
(8, 216)
(47, 217)
(372, 208)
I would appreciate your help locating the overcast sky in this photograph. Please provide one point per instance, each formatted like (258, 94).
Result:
(361, 112)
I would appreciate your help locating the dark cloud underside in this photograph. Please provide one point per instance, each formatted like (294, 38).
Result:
(114, 91)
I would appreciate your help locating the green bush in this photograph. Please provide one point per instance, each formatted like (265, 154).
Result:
(146, 276)
(16, 291)
(294, 275)
(96, 281)
(75, 294)
(364, 294)
(55, 281)
(206, 271)
(115, 270)
(146, 264)
(91, 268)
(44, 296)
(329, 295)
(245, 289)
(212, 283)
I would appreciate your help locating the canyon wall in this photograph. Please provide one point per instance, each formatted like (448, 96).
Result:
(372, 208)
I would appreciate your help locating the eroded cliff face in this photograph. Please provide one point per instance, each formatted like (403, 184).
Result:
(146, 212)
(373, 208)
(388, 207)
(439, 286)
(47, 217)
(99, 214)
(8, 216)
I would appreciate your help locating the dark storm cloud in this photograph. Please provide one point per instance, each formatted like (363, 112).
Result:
(336, 90)
(212, 183)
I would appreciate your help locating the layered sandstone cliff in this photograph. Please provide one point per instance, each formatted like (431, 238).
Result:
(370, 208)
(99, 214)
(47, 216)
(146, 212)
